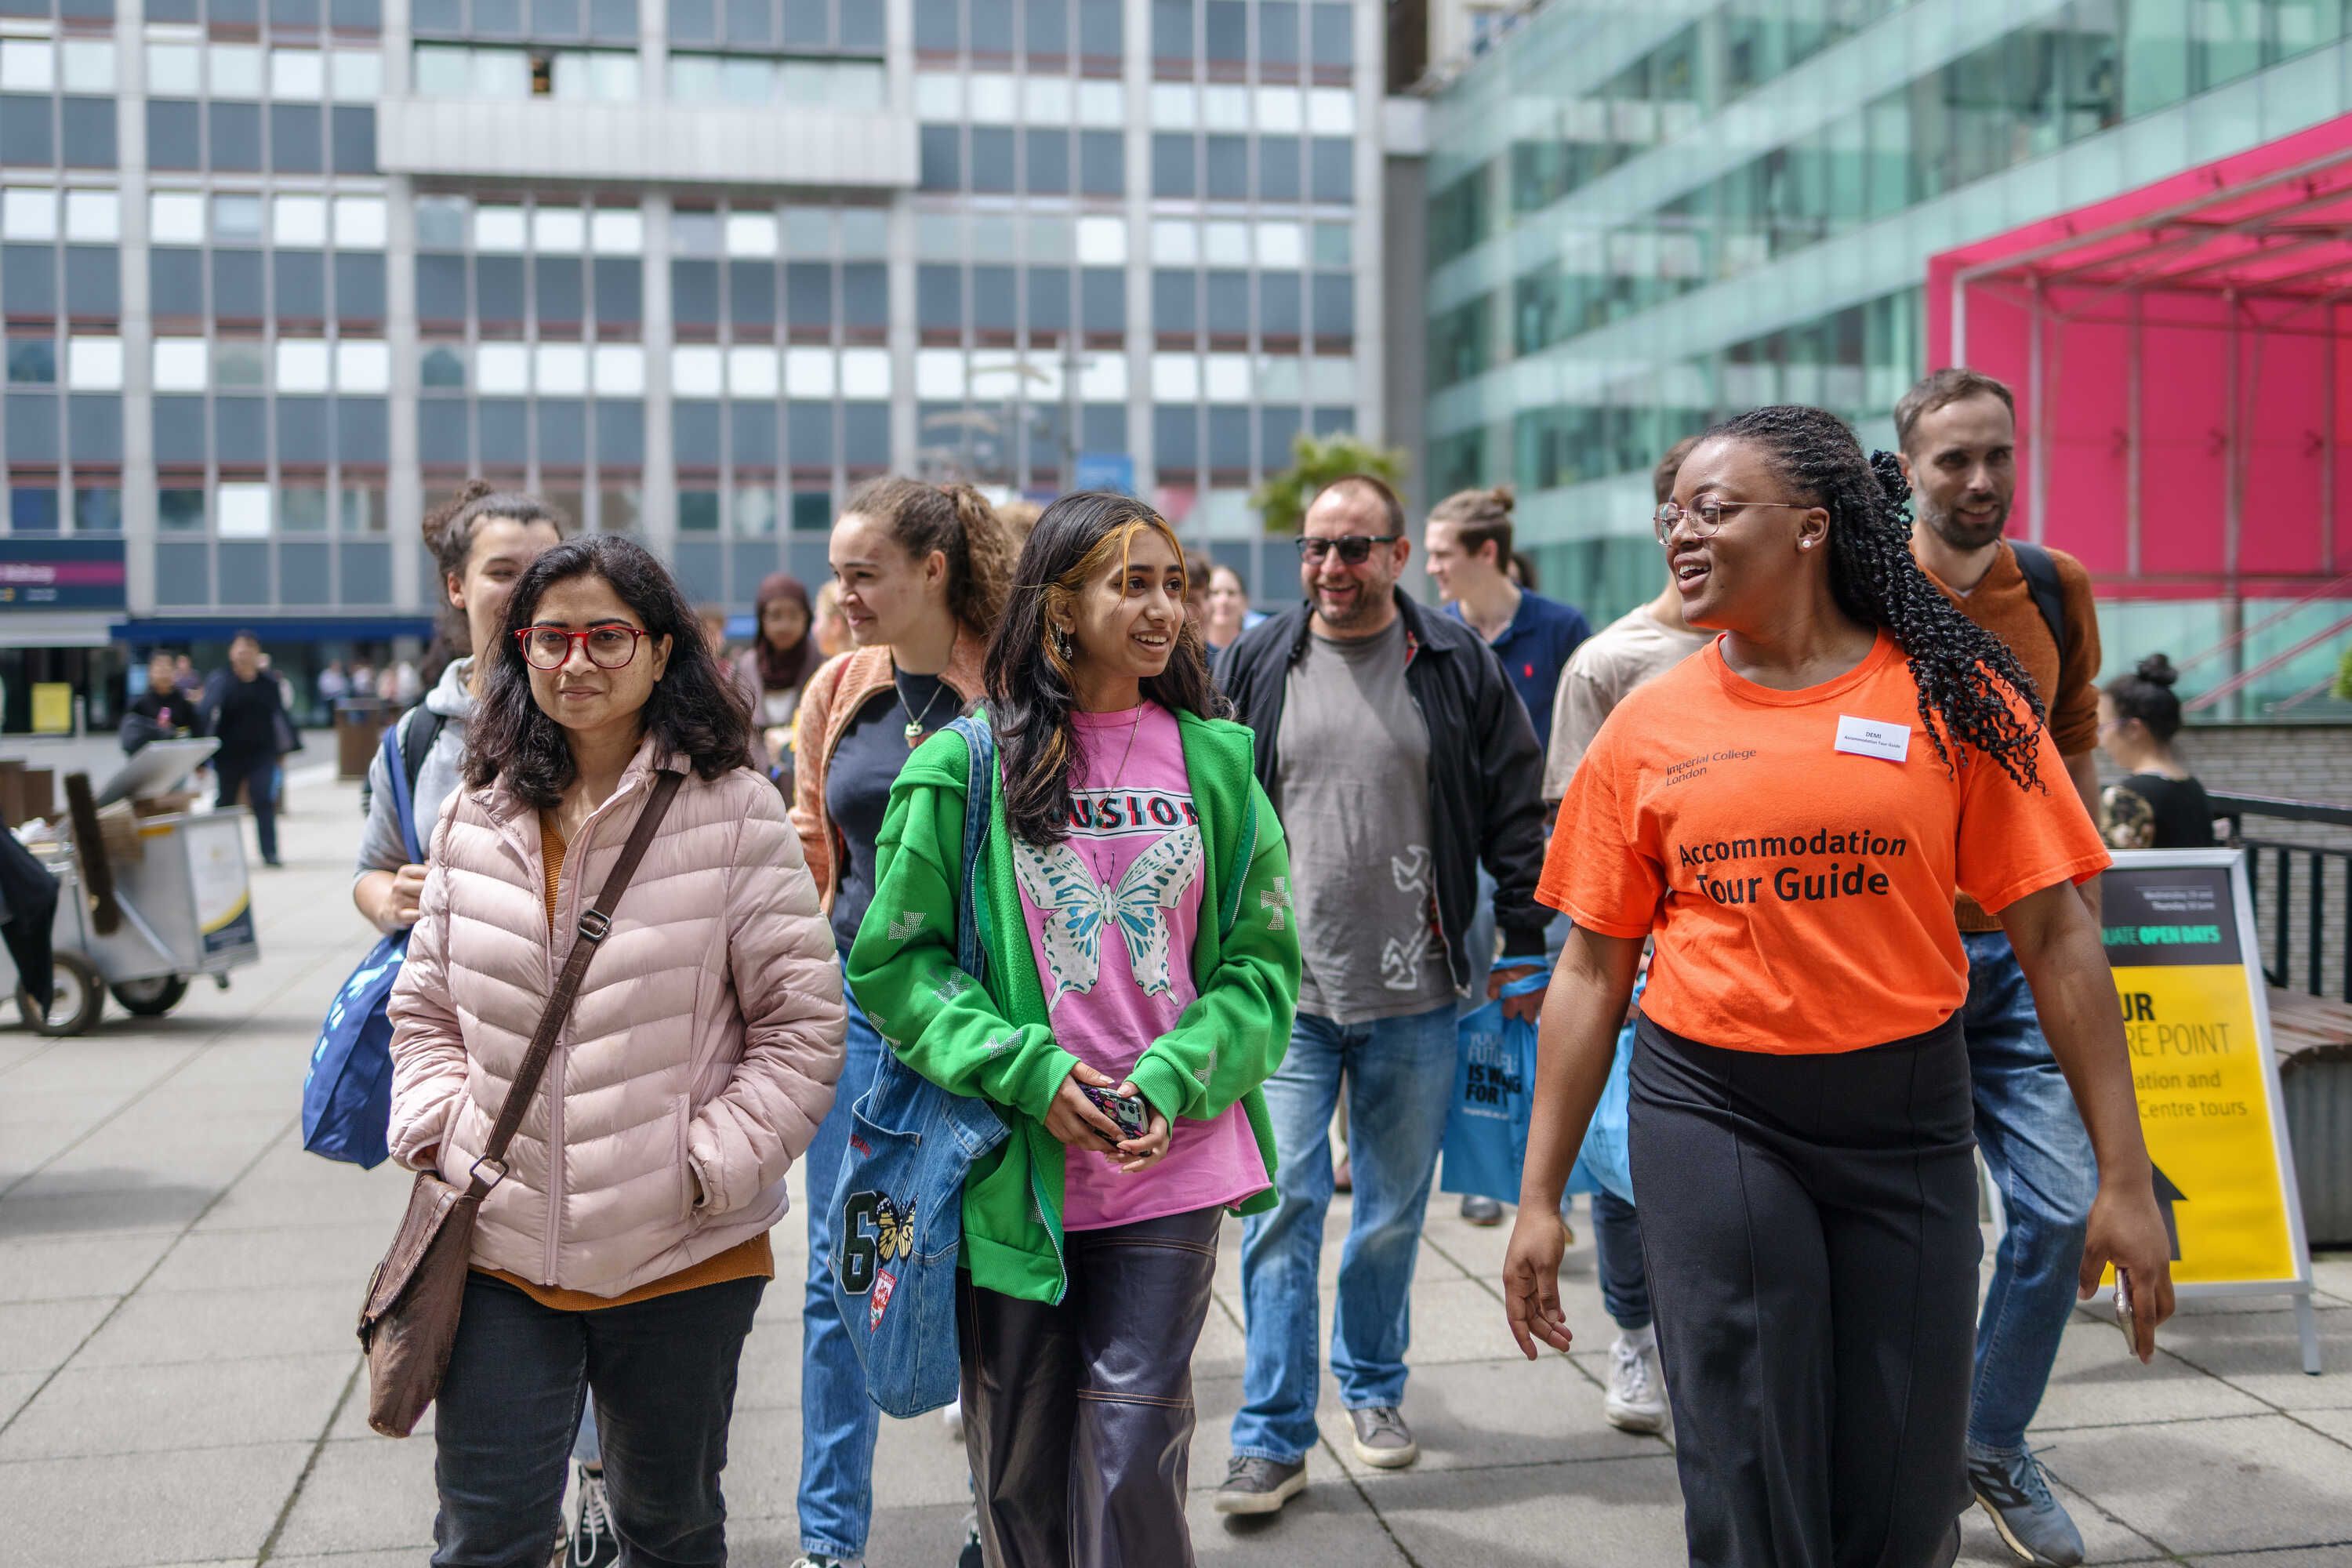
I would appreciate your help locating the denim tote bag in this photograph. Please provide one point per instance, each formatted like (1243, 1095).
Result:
(897, 1208)
(347, 1094)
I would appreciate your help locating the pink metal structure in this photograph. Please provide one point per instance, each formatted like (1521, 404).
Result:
(2183, 404)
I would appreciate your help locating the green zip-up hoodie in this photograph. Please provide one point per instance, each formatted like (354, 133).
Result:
(994, 1041)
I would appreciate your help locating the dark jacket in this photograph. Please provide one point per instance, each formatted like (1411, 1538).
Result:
(1485, 772)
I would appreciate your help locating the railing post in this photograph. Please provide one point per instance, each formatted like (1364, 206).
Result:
(2282, 971)
(2318, 907)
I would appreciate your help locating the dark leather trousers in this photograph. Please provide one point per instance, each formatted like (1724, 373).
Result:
(1079, 1417)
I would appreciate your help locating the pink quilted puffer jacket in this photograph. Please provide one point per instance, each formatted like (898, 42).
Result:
(705, 1043)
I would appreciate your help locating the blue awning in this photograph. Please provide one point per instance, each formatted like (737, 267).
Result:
(269, 628)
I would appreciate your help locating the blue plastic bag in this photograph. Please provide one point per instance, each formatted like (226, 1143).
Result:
(897, 1214)
(347, 1094)
(1486, 1121)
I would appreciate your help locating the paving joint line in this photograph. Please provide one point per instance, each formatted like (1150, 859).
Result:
(310, 1464)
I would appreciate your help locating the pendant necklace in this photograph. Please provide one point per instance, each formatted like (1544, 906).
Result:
(915, 719)
(1118, 776)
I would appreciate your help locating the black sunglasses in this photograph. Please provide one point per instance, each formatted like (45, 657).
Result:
(1355, 549)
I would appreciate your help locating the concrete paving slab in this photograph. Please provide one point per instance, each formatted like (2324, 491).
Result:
(2225, 1485)
(52, 1269)
(233, 1259)
(915, 1465)
(2098, 1383)
(2260, 1353)
(1326, 1526)
(45, 1204)
(2335, 1554)
(2336, 1423)
(16, 1387)
(373, 1495)
(2106, 1539)
(1595, 1514)
(1490, 1414)
(265, 1200)
(132, 1510)
(228, 1325)
(94, 1410)
(35, 1336)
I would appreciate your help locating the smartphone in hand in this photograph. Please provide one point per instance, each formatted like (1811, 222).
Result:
(2124, 1310)
(1134, 1118)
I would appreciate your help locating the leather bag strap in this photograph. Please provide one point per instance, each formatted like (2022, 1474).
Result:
(596, 924)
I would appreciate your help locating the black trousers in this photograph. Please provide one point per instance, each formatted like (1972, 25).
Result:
(1810, 1225)
(1079, 1417)
(663, 1372)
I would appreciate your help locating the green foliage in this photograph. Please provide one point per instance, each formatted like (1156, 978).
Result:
(1315, 462)
(2343, 689)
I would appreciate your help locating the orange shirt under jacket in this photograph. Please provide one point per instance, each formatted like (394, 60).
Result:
(1798, 875)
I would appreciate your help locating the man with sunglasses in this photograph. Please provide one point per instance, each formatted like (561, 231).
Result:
(1392, 744)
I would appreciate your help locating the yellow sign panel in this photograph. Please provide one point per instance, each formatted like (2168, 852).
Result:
(2203, 1069)
(52, 708)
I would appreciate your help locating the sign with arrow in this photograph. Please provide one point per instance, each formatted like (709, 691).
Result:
(2179, 929)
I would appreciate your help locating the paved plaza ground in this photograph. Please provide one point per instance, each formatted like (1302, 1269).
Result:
(179, 1383)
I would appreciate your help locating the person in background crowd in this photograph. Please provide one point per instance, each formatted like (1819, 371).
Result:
(624, 1260)
(1400, 760)
(244, 707)
(2158, 804)
(1957, 431)
(1800, 1098)
(162, 711)
(830, 627)
(1629, 652)
(1198, 570)
(1468, 538)
(1081, 1311)
(333, 685)
(184, 676)
(1229, 613)
(362, 678)
(1018, 517)
(1522, 571)
(712, 619)
(781, 658)
(923, 571)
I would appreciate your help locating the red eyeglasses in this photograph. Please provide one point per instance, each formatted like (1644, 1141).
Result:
(608, 646)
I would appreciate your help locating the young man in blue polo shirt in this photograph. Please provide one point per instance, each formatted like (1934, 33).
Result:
(1468, 543)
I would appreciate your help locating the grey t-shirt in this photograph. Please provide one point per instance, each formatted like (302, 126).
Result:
(1355, 806)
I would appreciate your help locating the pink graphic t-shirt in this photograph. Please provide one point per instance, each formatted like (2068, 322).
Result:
(1112, 911)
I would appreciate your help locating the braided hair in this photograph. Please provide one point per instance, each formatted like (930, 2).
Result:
(1970, 684)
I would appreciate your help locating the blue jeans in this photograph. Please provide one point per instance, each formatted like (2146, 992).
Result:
(662, 1373)
(260, 777)
(838, 1421)
(2034, 1144)
(1399, 1076)
(1617, 1244)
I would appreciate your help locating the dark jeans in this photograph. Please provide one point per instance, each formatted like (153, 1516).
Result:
(663, 1372)
(261, 773)
(1079, 1417)
(1617, 1246)
(1810, 1223)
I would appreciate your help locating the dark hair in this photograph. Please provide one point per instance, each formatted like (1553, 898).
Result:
(1380, 488)
(692, 711)
(1480, 518)
(1970, 683)
(1523, 571)
(780, 669)
(449, 530)
(1942, 388)
(1662, 478)
(1030, 695)
(1235, 572)
(2146, 694)
(244, 634)
(957, 522)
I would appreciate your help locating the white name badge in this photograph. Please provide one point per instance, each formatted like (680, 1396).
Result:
(1874, 738)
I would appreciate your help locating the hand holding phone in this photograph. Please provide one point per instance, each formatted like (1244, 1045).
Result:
(1134, 1117)
(2124, 1310)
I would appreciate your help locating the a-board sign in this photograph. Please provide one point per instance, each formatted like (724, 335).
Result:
(2179, 932)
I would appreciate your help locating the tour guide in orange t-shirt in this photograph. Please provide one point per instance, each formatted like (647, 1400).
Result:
(1789, 812)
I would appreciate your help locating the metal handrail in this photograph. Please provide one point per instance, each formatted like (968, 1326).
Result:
(2282, 854)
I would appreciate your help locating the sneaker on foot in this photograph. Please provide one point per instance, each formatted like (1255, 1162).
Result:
(812, 1561)
(972, 1556)
(1635, 1401)
(1343, 1180)
(1382, 1439)
(1253, 1485)
(2011, 1490)
(1481, 1211)
(593, 1544)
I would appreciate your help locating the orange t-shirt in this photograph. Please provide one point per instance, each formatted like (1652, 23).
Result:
(1796, 853)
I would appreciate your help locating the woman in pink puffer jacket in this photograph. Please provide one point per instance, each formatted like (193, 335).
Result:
(626, 1249)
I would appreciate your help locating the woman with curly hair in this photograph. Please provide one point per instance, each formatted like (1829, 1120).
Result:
(623, 1251)
(1789, 812)
(1140, 979)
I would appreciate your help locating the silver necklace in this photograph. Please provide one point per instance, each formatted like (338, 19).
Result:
(1117, 777)
(915, 719)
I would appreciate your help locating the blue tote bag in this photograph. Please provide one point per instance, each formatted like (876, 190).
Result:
(897, 1207)
(1485, 1147)
(347, 1094)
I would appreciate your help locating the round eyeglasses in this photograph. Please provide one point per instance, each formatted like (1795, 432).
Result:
(608, 646)
(1706, 518)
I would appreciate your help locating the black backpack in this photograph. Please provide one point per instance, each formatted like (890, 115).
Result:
(2040, 576)
(416, 745)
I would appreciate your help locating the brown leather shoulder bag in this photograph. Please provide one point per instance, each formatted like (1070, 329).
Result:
(410, 1318)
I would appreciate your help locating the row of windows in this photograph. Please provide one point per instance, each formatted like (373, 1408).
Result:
(350, 573)
(30, 283)
(448, 223)
(190, 70)
(557, 292)
(93, 363)
(39, 504)
(560, 432)
(248, 287)
(1000, 161)
(2092, 65)
(79, 133)
(559, 21)
(610, 76)
(282, 16)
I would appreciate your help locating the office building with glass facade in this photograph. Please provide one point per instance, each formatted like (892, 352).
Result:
(1644, 218)
(279, 274)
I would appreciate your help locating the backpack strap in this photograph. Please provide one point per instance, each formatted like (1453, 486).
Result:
(2042, 576)
(979, 798)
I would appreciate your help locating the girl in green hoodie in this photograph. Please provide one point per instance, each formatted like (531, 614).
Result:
(1140, 975)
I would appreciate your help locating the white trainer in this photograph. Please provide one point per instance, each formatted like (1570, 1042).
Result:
(1636, 1401)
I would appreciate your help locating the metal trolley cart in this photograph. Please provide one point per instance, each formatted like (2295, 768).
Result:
(179, 906)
